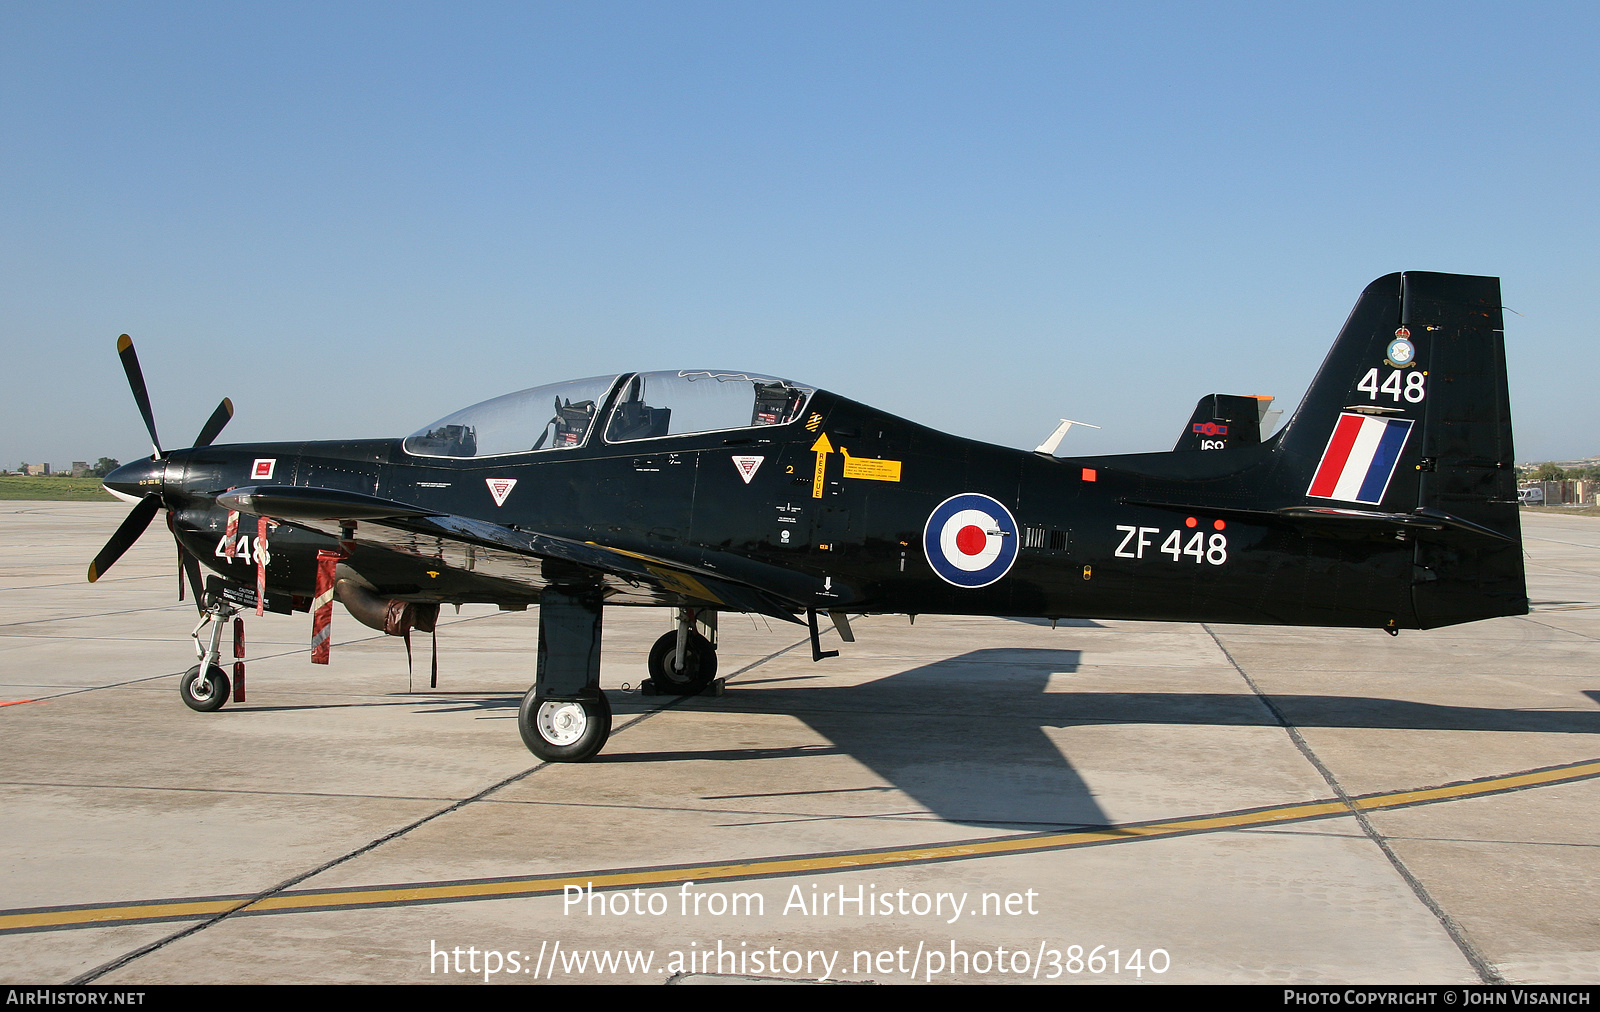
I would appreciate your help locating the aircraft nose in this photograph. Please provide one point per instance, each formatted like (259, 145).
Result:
(136, 480)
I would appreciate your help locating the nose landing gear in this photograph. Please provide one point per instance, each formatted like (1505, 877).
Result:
(204, 687)
(684, 662)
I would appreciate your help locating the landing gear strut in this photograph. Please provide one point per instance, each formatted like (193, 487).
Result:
(683, 662)
(204, 687)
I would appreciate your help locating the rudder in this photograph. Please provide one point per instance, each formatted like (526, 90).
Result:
(1467, 465)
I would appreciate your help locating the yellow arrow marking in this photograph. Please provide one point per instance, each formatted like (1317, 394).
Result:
(821, 448)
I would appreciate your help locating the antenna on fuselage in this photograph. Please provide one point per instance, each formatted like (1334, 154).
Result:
(1048, 447)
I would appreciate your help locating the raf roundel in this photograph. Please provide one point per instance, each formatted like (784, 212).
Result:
(970, 540)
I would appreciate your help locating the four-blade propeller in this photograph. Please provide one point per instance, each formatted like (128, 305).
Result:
(141, 515)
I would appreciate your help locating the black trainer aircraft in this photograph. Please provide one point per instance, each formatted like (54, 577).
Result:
(1387, 501)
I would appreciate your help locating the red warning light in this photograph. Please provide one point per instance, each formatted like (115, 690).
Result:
(1088, 474)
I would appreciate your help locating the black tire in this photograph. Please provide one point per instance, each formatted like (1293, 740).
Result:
(205, 694)
(564, 730)
(699, 665)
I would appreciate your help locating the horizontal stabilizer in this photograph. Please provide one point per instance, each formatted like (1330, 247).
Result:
(1333, 521)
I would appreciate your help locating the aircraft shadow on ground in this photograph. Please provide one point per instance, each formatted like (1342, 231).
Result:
(969, 737)
(966, 737)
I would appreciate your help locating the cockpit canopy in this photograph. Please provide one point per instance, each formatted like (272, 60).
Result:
(638, 406)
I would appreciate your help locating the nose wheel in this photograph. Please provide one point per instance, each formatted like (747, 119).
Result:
(564, 730)
(205, 692)
(698, 670)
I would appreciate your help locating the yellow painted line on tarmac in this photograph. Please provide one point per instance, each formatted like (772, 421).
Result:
(1510, 782)
(45, 919)
(88, 917)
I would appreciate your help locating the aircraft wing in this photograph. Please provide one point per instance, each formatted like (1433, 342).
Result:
(526, 558)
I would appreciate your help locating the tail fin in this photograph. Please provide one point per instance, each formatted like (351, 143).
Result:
(1410, 414)
(1221, 421)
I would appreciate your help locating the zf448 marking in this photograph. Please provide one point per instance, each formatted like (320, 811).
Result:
(1196, 547)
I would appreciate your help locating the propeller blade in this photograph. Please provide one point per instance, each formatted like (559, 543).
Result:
(126, 535)
(214, 424)
(191, 569)
(141, 396)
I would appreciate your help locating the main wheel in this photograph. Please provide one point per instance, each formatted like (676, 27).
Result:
(564, 730)
(699, 664)
(204, 694)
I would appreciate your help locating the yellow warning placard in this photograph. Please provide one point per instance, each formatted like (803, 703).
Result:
(870, 467)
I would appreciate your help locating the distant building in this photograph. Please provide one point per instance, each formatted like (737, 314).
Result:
(1559, 493)
(80, 468)
(38, 468)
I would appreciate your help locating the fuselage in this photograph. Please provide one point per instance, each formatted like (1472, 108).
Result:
(829, 511)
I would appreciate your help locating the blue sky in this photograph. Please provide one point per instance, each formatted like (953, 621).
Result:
(353, 219)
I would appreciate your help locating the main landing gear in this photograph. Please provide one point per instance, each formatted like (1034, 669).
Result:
(564, 730)
(565, 717)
